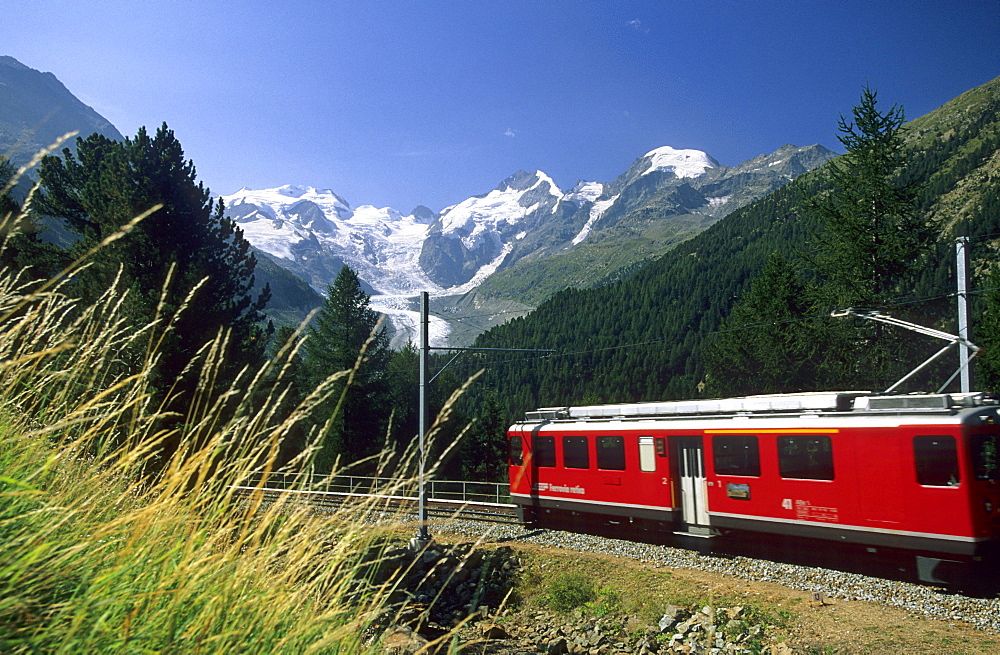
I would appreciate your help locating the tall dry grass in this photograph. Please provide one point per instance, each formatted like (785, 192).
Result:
(99, 555)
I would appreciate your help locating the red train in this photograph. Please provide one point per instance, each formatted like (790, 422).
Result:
(912, 474)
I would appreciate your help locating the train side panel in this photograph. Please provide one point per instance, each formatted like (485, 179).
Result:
(891, 487)
(797, 482)
(576, 472)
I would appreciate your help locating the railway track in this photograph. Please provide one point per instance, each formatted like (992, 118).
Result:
(983, 613)
(436, 507)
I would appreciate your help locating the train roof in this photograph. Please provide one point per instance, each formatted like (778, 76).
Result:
(832, 402)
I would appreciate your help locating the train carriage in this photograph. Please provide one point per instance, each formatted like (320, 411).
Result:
(915, 474)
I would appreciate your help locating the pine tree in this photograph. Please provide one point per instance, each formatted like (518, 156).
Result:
(108, 183)
(484, 446)
(872, 239)
(338, 336)
(988, 334)
(10, 213)
(20, 246)
(7, 205)
(404, 389)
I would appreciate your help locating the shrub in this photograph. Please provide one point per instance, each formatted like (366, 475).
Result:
(570, 590)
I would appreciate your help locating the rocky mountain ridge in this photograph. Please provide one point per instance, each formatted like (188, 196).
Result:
(525, 222)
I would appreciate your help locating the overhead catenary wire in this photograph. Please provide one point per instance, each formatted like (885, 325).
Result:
(466, 317)
(749, 326)
(888, 305)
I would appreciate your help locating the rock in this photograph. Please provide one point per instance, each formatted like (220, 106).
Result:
(492, 631)
(634, 625)
(558, 646)
(667, 623)
(402, 640)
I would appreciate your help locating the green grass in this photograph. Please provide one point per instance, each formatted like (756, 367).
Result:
(98, 554)
(570, 590)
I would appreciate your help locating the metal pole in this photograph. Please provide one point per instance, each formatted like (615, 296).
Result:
(423, 538)
(961, 272)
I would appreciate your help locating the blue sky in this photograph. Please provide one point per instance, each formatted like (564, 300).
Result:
(399, 103)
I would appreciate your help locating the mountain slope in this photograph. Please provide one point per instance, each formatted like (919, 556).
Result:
(291, 297)
(650, 214)
(36, 109)
(640, 338)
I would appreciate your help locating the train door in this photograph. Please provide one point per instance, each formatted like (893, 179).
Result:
(879, 464)
(691, 475)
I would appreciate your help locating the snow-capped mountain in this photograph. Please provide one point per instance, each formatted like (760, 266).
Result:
(524, 221)
(314, 232)
(682, 163)
(472, 239)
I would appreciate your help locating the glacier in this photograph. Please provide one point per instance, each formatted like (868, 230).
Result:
(303, 225)
(299, 224)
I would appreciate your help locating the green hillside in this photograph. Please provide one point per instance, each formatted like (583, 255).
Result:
(641, 338)
(291, 297)
(651, 220)
(595, 262)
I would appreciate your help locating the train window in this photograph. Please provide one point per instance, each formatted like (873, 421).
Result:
(986, 456)
(805, 457)
(611, 453)
(516, 451)
(736, 454)
(647, 454)
(576, 455)
(936, 459)
(543, 449)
